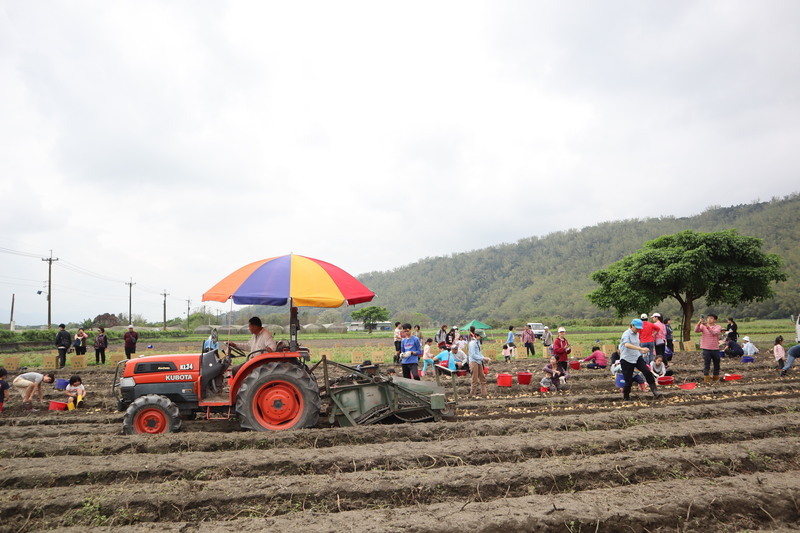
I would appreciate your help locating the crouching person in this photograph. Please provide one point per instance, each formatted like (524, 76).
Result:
(597, 358)
(554, 379)
(30, 383)
(76, 392)
(659, 368)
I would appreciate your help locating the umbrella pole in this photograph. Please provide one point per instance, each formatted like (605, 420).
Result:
(294, 325)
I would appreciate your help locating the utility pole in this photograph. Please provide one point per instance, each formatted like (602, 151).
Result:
(49, 286)
(11, 322)
(165, 294)
(188, 304)
(130, 300)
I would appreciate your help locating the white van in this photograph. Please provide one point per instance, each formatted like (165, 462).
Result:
(538, 329)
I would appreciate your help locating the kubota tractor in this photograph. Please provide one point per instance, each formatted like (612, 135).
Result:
(269, 391)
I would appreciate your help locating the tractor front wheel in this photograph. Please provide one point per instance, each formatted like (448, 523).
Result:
(150, 415)
(278, 396)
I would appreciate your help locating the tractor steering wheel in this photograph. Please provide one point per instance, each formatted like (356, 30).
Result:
(235, 352)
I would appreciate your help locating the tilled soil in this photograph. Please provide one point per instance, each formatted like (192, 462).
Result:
(721, 457)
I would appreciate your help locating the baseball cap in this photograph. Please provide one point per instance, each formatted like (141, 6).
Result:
(130, 326)
(657, 314)
(547, 327)
(644, 316)
(637, 323)
(747, 339)
(562, 329)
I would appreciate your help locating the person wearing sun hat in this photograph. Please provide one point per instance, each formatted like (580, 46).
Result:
(630, 352)
(547, 341)
(659, 334)
(562, 349)
(748, 347)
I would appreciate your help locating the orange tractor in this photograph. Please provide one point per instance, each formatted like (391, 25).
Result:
(271, 390)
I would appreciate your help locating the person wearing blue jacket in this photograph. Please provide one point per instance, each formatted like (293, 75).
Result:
(410, 351)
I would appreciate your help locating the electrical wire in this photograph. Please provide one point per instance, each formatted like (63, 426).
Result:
(17, 252)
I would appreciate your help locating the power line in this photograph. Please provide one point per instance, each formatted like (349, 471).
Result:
(17, 252)
(80, 270)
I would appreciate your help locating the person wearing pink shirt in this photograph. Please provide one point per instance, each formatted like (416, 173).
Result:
(597, 358)
(659, 334)
(779, 352)
(709, 343)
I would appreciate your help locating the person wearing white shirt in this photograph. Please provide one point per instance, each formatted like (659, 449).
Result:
(748, 347)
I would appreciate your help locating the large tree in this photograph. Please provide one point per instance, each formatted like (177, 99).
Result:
(723, 266)
(371, 316)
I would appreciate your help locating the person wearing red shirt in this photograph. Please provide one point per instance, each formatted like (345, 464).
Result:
(647, 339)
(560, 349)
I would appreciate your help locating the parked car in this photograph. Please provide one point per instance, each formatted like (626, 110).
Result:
(538, 329)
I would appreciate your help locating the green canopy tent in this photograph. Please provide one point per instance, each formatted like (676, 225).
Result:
(477, 323)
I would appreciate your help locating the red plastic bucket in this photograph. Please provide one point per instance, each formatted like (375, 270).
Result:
(58, 406)
(485, 369)
(687, 386)
(575, 365)
(461, 373)
(732, 377)
(665, 380)
(524, 378)
(544, 389)
(504, 380)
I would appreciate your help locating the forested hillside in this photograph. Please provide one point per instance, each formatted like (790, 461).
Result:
(549, 276)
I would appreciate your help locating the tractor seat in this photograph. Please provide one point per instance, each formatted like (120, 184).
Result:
(212, 367)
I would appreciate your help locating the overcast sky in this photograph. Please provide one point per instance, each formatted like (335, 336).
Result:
(173, 142)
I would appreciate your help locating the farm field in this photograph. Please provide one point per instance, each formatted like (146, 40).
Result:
(720, 457)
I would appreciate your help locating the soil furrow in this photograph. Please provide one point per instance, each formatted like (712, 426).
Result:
(66, 470)
(189, 499)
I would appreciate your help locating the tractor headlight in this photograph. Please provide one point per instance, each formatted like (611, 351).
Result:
(127, 382)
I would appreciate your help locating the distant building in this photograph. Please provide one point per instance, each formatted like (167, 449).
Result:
(379, 326)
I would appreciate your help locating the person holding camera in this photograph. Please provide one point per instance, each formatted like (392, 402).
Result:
(709, 343)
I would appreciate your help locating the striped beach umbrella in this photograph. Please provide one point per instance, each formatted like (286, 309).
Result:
(296, 279)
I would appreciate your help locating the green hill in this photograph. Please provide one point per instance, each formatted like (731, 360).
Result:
(549, 276)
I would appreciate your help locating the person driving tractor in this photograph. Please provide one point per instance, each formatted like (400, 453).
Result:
(262, 340)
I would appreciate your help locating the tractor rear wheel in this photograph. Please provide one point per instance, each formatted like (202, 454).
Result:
(278, 396)
(150, 415)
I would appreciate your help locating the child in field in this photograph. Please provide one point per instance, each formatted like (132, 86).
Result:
(427, 356)
(597, 358)
(76, 392)
(4, 386)
(507, 352)
(659, 369)
(779, 352)
(554, 378)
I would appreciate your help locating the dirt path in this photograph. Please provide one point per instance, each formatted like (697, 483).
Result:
(718, 458)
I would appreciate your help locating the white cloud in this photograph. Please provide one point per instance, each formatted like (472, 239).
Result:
(174, 142)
